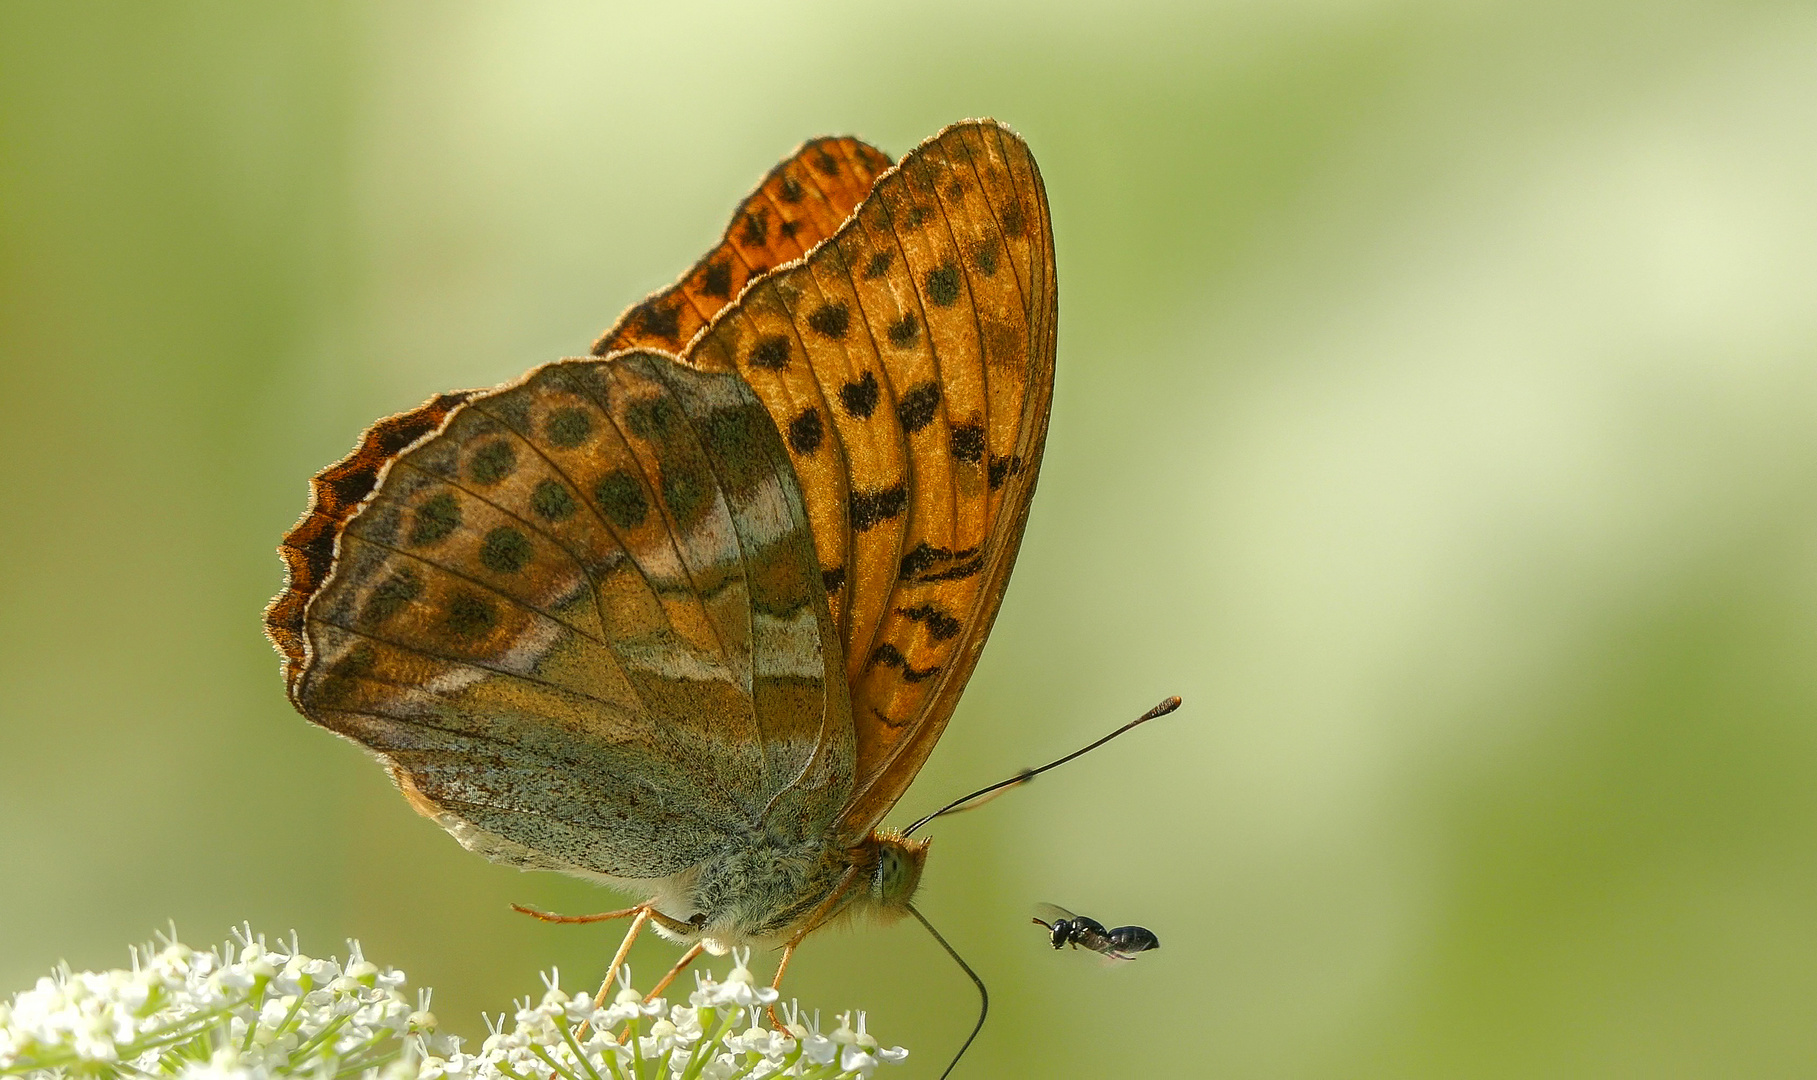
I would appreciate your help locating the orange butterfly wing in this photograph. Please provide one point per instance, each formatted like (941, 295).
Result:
(603, 573)
(908, 361)
(799, 204)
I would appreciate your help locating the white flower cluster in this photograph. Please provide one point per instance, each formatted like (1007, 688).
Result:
(717, 1035)
(253, 1011)
(244, 1011)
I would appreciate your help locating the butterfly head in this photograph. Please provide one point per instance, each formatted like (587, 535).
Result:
(895, 870)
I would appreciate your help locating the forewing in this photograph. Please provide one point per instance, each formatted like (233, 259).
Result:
(1052, 913)
(580, 618)
(799, 204)
(908, 361)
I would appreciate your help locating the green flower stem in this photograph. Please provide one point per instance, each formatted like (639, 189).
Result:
(579, 1054)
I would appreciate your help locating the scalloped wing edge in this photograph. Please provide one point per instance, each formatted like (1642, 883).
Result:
(335, 494)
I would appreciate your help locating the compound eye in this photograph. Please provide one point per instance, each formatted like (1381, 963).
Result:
(888, 869)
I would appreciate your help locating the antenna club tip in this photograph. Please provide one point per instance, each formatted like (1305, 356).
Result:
(1163, 709)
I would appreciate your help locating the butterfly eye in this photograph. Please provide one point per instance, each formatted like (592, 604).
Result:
(898, 872)
(889, 873)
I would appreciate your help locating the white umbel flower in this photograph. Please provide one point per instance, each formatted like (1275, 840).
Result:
(254, 1010)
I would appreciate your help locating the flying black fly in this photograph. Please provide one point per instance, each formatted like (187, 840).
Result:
(1081, 932)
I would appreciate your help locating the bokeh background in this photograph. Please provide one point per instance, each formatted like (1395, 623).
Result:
(1437, 414)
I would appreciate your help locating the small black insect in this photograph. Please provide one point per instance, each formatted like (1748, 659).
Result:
(1118, 943)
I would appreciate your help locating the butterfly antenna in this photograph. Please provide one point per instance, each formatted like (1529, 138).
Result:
(983, 795)
(984, 996)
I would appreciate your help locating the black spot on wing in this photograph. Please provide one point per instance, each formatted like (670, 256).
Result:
(1002, 468)
(940, 625)
(717, 281)
(770, 352)
(391, 596)
(890, 656)
(832, 578)
(984, 257)
(470, 615)
(756, 228)
(806, 431)
(860, 397)
(737, 439)
(927, 562)
(879, 265)
(943, 285)
(831, 320)
(659, 319)
(568, 428)
(621, 498)
(903, 330)
(957, 571)
(917, 408)
(685, 492)
(435, 519)
(1013, 221)
(505, 550)
(492, 462)
(551, 501)
(871, 508)
(651, 418)
(968, 443)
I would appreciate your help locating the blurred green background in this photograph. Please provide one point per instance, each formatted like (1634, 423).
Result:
(1435, 414)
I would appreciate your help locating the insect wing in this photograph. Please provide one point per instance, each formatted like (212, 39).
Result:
(580, 617)
(801, 202)
(908, 360)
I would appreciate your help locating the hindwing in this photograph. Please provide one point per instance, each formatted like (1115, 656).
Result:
(581, 619)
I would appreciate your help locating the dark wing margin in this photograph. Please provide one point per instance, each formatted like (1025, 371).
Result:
(334, 494)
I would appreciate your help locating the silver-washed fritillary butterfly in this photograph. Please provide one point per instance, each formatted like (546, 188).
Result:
(687, 616)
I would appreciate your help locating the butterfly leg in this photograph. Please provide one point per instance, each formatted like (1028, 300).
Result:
(788, 953)
(549, 916)
(808, 925)
(680, 966)
(639, 916)
(624, 949)
(663, 983)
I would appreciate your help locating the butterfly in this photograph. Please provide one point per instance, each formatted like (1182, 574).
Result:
(686, 616)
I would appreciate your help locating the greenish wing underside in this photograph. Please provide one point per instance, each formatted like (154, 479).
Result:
(585, 618)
